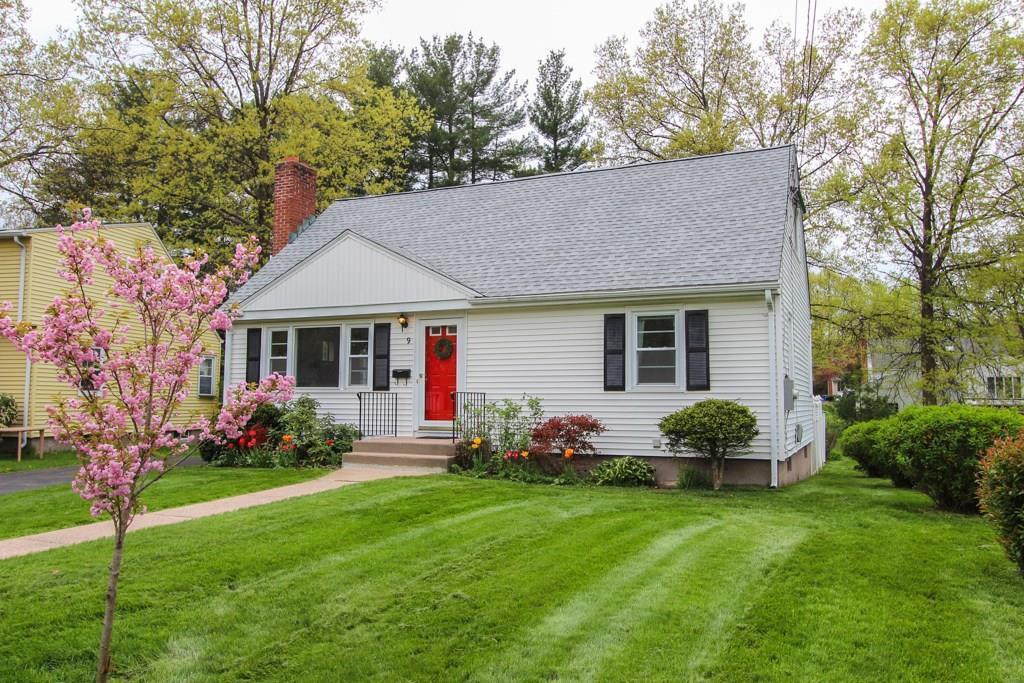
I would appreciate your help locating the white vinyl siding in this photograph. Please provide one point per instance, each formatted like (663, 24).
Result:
(366, 273)
(557, 354)
(794, 305)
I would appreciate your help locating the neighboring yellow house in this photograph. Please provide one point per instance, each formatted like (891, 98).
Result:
(29, 280)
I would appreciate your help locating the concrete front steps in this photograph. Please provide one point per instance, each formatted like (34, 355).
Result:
(434, 455)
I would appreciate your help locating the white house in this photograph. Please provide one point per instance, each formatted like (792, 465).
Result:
(626, 293)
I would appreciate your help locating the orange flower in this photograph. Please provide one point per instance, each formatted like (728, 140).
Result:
(525, 454)
(287, 438)
(569, 452)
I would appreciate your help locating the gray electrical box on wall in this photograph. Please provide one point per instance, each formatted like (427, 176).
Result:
(787, 390)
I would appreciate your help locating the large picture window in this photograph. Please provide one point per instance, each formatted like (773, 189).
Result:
(656, 349)
(317, 356)
(359, 356)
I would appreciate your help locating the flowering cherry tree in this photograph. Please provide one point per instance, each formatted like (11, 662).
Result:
(129, 351)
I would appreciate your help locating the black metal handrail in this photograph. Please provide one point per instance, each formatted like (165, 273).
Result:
(378, 413)
(469, 414)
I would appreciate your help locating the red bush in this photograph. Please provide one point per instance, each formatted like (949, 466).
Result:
(556, 434)
(1001, 493)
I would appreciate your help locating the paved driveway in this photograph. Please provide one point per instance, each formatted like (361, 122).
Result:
(12, 482)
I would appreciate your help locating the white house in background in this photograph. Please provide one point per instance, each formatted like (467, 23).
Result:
(999, 381)
(626, 293)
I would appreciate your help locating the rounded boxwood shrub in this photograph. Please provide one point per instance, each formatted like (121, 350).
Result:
(1001, 494)
(939, 448)
(627, 471)
(714, 428)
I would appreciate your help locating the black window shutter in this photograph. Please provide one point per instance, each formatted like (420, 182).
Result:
(253, 346)
(382, 356)
(615, 352)
(698, 371)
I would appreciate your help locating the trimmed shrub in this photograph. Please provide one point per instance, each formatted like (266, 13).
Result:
(714, 428)
(860, 442)
(939, 448)
(627, 471)
(8, 410)
(1001, 494)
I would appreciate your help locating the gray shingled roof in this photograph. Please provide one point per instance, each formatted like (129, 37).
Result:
(699, 221)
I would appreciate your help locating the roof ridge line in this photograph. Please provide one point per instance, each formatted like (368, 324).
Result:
(617, 167)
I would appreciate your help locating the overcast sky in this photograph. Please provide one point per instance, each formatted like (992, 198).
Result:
(524, 29)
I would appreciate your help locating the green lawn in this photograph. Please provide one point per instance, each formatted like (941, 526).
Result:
(842, 578)
(8, 462)
(58, 507)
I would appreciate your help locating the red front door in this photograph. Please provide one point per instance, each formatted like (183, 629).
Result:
(442, 346)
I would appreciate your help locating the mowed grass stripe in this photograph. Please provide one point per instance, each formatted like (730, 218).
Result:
(841, 578)
(392, 617)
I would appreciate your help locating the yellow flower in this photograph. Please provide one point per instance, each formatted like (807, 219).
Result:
(476, 440)
(525, 454)
(475, 446)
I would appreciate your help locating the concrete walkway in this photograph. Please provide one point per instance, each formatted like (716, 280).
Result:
(353, 474)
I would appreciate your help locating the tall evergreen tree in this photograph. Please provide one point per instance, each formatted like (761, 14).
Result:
(477, 110)
(557, 113)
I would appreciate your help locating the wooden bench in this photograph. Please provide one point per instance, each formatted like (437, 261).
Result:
(27, 430)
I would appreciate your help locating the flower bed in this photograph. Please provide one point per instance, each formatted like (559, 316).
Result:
(292, 435)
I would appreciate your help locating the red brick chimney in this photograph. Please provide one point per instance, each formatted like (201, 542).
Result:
(294, 198)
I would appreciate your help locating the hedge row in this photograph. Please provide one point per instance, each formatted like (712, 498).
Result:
(936, 449)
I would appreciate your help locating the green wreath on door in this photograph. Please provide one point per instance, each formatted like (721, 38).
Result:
(443, 349)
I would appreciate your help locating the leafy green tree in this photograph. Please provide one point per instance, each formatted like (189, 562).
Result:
(195, 101)
(476, 107)
(557, 114)
(697, 84)
(33, 82)
(942, 156)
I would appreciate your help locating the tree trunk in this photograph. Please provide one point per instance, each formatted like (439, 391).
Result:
(103, 663)
(717, 471)
(926, 275)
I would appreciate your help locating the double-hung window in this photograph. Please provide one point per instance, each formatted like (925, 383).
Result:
(656, 355)
(359, 356)
(277, 356)
(1002, 388)
(207, 366)
(317, 356)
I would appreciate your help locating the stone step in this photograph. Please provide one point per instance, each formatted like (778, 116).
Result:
(435, 463)
(405, 445)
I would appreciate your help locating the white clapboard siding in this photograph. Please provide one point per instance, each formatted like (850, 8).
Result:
(356, 272)
(796, 351)
(558, 354)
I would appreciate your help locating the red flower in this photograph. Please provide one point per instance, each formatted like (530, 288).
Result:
(330, 442)
(252, 432)
(231, 445)
(252, 442)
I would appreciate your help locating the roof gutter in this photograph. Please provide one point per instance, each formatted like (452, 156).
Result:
(21, 316)
(626, 294)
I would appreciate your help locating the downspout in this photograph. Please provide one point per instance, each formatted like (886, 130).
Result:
(21, 316)
(773, 386)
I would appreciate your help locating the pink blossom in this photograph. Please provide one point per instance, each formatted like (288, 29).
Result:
(126, 417)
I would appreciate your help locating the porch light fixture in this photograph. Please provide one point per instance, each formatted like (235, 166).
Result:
(403, 320)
